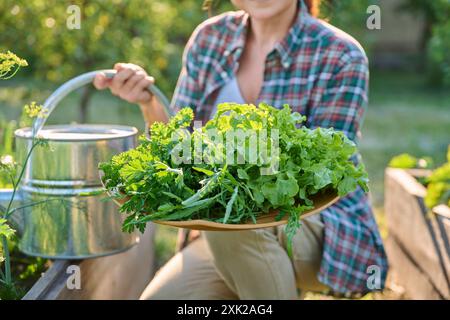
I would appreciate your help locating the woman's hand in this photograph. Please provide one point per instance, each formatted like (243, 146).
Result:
(130, 83)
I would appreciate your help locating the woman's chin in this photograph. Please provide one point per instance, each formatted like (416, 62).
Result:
(266, 10)
(262, 14)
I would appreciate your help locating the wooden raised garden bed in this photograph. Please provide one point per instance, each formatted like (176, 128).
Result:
(418, 246)
(121, 276)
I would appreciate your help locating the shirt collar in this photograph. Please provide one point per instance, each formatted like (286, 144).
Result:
(240, 35)
(285, 47)
(294, 36)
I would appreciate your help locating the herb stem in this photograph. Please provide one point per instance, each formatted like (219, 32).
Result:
(7, 261)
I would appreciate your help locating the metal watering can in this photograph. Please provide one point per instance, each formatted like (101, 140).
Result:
(83, 225)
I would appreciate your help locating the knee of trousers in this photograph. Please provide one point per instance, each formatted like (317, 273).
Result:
(226, 243)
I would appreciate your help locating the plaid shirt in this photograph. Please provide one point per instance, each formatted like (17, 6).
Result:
(322, 73)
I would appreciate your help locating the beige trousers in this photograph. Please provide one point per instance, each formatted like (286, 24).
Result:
(243, 265)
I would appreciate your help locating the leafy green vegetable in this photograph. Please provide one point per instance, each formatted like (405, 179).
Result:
(438, 188)
(288, 165)
(407, 161)
(438, 183)
(5, 231)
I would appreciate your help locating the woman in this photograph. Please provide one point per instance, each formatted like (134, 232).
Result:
(271, 51)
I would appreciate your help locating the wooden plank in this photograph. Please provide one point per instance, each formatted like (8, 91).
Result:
(121, 276)
(414, 227)
(442, 211)
(416, 283)
(442, 224)
(405, 180)
(46, 283)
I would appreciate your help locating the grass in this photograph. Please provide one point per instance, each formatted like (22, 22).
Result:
(404, 115)
(26, 271)
(165, 242)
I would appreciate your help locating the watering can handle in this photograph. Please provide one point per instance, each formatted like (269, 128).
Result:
(86, 78)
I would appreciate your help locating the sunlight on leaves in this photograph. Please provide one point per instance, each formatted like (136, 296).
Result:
(10, 64)
(5, 231)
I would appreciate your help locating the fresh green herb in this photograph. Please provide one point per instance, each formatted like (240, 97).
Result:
(10, 64)
(5, 231)
(407, 161)
(438, 188)
(308, 161)
(437, 184)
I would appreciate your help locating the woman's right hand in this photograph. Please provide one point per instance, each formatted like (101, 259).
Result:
(130, 83)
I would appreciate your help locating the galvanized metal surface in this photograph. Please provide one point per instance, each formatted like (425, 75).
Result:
(69, 164)
(71, 220)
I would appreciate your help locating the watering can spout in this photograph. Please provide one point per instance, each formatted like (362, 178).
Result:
(16, 218)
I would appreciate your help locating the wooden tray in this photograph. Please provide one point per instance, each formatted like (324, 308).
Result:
(264, 221)
(321, 201)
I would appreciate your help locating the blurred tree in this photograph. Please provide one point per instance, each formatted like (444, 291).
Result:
(351, 17)
(439, 53)
(151, 33)
(436, 42)
(429, 12)
(146, 32)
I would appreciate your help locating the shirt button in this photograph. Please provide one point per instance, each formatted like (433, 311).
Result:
(226, 53)
(224, 74)
(286, 64)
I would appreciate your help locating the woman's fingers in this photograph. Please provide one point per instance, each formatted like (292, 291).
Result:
(119, 80)
(101, 81)
(119, 66)
(130, 83)
(139, 93)
(133, 80)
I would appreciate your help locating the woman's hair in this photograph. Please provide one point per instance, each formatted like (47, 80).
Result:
(313, 7)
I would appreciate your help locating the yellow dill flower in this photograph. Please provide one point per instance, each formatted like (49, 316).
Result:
(10, 64)
(34, 110)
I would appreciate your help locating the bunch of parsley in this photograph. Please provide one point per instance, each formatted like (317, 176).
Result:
(156, 187)
(438, 185)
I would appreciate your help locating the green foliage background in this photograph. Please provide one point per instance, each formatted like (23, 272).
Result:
(436, 37)
(152, 33)
(146, 32)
